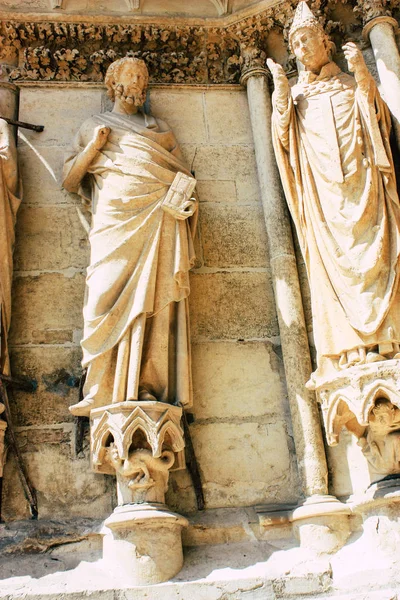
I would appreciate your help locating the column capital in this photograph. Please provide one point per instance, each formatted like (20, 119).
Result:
(374, 12)
(375, 21)
(253, 62)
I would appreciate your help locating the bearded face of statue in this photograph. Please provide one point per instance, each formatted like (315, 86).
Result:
(131, 87)
(310, 49)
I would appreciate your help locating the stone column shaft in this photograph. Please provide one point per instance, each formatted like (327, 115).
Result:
(307, 430)
(381, 33)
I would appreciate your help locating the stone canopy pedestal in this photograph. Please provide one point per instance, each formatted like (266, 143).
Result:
(140, 442)
(366, 400)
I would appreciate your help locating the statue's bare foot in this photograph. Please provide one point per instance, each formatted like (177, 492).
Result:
(82, 408)
(374, 357)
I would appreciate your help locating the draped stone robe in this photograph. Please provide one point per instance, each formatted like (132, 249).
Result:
(10, 199)
(136, 328)
(333, 153)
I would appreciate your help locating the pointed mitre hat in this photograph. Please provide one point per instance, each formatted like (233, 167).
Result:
(304, 18)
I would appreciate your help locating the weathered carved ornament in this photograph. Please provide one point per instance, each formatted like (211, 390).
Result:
(68, 51)
(139, 442)
(366, 400)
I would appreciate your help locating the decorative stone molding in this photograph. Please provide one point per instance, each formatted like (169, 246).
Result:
(57, 4)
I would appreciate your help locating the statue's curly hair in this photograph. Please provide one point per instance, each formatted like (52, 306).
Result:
(114, 70)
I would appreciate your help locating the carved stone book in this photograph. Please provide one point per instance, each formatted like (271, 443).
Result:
(178, 201)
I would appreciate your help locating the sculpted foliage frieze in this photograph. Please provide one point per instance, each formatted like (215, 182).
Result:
(83, 52)
(61, 51)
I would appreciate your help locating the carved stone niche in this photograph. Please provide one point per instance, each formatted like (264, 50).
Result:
(140, 442)
(366, 400)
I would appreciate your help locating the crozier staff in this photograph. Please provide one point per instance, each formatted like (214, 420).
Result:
(136, 332)
(331, 140)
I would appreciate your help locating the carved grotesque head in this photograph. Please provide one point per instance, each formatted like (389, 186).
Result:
(127, 79)
(141, 477)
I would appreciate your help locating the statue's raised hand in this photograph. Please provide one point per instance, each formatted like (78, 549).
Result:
(355, 59)
(100, 136)
(281, 83)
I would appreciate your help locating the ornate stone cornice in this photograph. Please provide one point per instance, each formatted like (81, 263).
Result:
(177, 53)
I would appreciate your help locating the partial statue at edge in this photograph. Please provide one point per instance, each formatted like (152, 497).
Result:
(129, 169)
(11, 193)
(331, 140)
(10, 199)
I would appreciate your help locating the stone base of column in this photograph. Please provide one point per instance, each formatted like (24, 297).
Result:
(142, 543)
(322, 524)
(380, 510)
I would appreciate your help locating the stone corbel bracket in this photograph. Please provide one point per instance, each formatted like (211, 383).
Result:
(117, 423)
(358, 388)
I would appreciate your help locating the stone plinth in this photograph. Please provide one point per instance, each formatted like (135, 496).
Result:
(142, 543)
(322, 524)
(379, 508)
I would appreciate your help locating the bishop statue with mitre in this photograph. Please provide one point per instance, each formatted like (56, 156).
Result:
(331, 138)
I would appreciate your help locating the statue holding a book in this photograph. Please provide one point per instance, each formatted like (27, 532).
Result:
(129, 170)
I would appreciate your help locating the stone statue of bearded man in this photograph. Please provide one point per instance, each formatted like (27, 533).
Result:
(136, 332)
(331, 139)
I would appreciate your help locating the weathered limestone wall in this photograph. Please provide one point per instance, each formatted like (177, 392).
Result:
(241, 431)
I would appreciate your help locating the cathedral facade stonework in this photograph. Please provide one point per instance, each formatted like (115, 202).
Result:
(199, 305)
